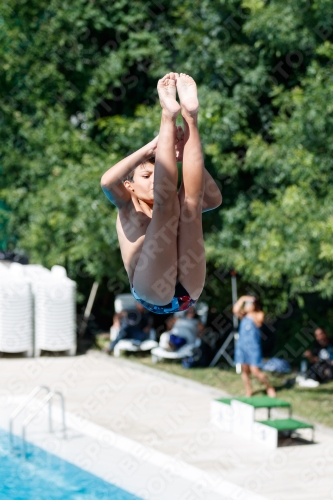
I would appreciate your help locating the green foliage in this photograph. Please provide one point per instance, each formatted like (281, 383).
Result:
(78, 92)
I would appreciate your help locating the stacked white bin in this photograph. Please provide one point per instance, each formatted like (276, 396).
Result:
(37, 309)
(55, 317)
(16, 312)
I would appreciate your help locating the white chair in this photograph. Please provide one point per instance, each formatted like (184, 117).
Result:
(159, 353)
(130, 345)
(202, 309)
(126, 302)
(183, 328)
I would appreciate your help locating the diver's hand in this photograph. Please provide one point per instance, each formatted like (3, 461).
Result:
(152, 146)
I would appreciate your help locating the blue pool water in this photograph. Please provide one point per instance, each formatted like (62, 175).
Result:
(44, 476)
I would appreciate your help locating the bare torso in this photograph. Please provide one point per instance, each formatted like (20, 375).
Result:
(132, 222)
(131, 225)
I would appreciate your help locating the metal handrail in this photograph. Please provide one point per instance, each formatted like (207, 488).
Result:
(62, 399)
(42, 403)
(22, 406)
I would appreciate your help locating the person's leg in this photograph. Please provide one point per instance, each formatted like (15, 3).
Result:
(320, 371)
(156, 271)
(123, 334)
(246, 379)
(137, 334)
(312, 371)
(212, 197)
(191, 252)
(256, 372)
(164, 340)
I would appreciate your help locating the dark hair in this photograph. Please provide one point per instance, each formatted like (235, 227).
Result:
(192, 311)
(257, 303)
(130, 176)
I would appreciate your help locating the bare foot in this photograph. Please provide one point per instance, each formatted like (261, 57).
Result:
(166, 88)
(188, 96)
(271, 392)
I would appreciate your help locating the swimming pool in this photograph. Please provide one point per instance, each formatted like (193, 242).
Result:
(44, 476)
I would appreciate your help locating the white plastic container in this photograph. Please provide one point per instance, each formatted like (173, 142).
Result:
(16, 312)
(54, 308)
(55, 315)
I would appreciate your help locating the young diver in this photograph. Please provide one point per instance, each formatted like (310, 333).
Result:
(160, 229)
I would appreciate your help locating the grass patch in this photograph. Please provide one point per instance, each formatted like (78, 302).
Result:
(315, 405)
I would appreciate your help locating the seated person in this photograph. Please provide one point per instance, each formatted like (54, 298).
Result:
(192, 316)
(185, 331)
(320, 357)
(115, 328)
(165, 336)
(135, 324)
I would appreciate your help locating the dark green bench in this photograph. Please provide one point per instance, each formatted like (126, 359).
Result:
(288, 425)
(226, 401)
(265, 402)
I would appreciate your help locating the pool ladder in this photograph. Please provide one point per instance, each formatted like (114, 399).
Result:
(47, 399)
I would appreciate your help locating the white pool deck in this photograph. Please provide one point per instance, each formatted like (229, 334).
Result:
(149, 432)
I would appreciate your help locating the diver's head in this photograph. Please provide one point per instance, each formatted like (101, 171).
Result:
(140, 181)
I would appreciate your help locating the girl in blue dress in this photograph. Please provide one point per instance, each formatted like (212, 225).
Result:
(248, 349)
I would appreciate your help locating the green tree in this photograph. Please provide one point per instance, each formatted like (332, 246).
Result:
(78, 92)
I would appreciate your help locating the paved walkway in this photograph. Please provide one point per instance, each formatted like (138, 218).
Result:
(171, 415)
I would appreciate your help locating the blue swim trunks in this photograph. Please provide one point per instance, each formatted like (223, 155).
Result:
(180, 302)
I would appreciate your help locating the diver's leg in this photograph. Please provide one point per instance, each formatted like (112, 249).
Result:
(156, 271)
(212, 197)
(191, 253)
